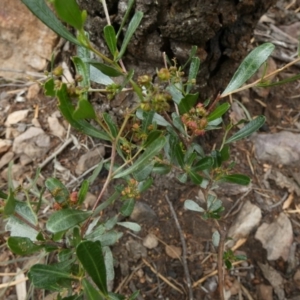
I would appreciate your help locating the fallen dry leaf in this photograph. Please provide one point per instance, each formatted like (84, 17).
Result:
(173, 251)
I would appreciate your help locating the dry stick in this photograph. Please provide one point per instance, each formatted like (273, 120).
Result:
(8, 284)
(55, 153)
(184, 251)
(220, 263)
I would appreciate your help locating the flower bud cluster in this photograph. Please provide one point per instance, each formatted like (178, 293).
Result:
(131, 190)
(195, 120)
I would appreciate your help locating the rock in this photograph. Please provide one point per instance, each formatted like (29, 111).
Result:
(276, 237)
(16, 116)
(89, 159)
(247, 219)
(150, 241)
(26, 44)
(25, 159)
(17, 172)
(33, 91)
(274, 278)
(56, 128)
(6, 158)
(5, 145)
(143, 213)
(282, 148)
(297, 278)
(89, 200)
(264, 292)
(33, 142)
(232, 189)
(136, 250)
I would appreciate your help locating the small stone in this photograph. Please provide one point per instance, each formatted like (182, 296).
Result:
(150, 241)
(173, 251)
(143, 213)
(89, 200)
(297, 278)
(16, 117)
(33, 91)
(89, 159)
(6, 158)
(136, 250)
(56, 128)
(5, 145)
(36, 123)
(25, 159)
(17, 172)
(264, 292)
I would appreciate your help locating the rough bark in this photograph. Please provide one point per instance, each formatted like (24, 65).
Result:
(221, 29)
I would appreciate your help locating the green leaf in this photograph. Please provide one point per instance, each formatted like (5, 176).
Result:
(127, 207)
(40, 9)
(280, 82)
(152, 150)
(217, 158)
(193, 72)
(84, 71)
(144, 185)
(178, 153)
(216, 238)
(192, 205)
(22, 245)
(90, 292)
(66, 108)
(127, 13)
(49, 277)
(225, 153)
(158, 119)
(236, 178)
(130, 225)
(65, 219)
(249, 66)
(69, 12)
(91, 257)
(49, 88)
(248, 129)
(83, 191)
(111, 124)
(95, 173)
(105, 69)
(147, 120)
(218, 112)
(195, 177)
(84, 110)
(110, 38)
(58, 191)
(152, 136)
(133, 25)
(10, 204)
(143, 173)
(187, 103)
(203, 164)
(161, 169)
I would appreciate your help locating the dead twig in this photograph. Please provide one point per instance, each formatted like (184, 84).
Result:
(8, 284)
(184, 251)
(222, 233)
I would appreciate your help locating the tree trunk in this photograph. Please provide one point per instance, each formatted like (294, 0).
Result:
(221, 29)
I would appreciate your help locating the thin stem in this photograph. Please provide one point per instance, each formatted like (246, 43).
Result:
(184, 251)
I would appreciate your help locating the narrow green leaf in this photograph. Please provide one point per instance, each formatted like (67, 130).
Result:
(22, 245)
(161, 169)
(152, 136)
(130, 225)
(105, 69)
(58, 191)
(152, 150)
(188, 102)
(127, 207)
(91, 257)
(110, 38)
(10, 204)
(69, 12)
(66, 218)
(84, 110)
(144, 185)
(137, 90)
(40, 9)
(90, 292)
(195, 177)
(127, 13)
(218, 112)
(143, 172)
(225, 153)
(133, 25)
(83, 191)
(203, 164)
(248, 129)
(193, 72)
(48, 277)
(66, 108)
(83, 70)
(249, 66)
(280, 82)
(111, 124)
(192, 205)
(191, 55)
(178, 153)
(236, 178)
(147, 120)
(158, 119)
(95, 173)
